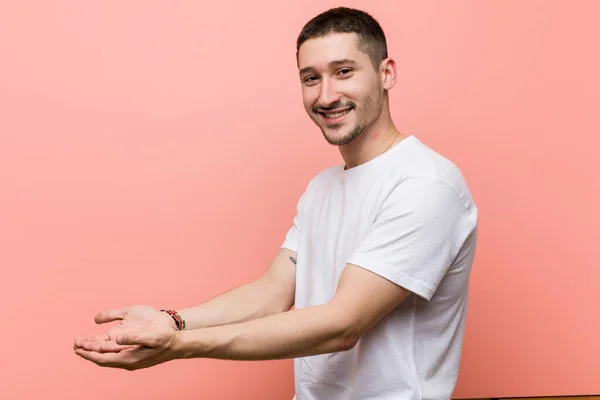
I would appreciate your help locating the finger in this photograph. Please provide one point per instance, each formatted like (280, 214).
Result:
(104, 347)
(133, 339)
(108, 347)
(102, 337)
(110, 315)
(114, 360)
(112, 347)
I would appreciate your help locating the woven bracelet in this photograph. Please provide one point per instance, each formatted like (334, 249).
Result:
(179, 322)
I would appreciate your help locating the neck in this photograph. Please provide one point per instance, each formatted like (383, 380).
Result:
(375, 140)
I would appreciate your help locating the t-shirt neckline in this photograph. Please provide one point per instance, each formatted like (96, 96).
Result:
(349, 173)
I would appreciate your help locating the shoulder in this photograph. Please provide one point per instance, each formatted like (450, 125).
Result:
(316, 185)
(422, 171)
(323, 179)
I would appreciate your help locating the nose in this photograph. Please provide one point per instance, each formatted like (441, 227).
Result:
(328, 94)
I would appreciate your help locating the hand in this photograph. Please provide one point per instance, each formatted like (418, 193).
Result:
(134, 319)
(144, 349)
(130, 319)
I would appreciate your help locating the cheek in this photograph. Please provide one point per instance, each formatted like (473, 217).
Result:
(356, 90)
(372, 97)
(309, 97)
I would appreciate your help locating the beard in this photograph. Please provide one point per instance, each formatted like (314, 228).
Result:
(347, 138)
(353, 132)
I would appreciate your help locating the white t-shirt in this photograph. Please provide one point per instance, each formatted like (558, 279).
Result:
(408, 216)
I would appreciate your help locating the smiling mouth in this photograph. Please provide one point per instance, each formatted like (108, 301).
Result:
(335, 114)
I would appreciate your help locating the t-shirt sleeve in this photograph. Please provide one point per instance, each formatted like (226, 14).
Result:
(416, 235)
(293, 234)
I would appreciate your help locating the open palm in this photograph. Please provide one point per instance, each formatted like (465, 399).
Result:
(135, 319)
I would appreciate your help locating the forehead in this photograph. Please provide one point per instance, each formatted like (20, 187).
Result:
(319, 52)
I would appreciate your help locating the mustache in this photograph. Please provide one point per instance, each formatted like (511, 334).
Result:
(333, 106)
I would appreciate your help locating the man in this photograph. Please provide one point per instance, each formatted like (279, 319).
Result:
(376, 263)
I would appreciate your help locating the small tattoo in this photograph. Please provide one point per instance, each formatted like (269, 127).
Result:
(293, 260)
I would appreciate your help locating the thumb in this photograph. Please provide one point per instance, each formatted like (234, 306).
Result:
(111, 315)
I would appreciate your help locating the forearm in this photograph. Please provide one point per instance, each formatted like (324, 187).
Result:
(243, 303)
(309, 331)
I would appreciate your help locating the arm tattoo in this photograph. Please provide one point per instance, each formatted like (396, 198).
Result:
(293, 260)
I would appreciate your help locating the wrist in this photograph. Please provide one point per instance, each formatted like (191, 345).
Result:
(176, 348)
(181, 346)
(177, 322)
(196, 343)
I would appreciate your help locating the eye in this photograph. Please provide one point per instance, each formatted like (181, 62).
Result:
(344, 72)
(310, 80)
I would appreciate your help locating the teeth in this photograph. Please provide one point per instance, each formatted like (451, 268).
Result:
(337, 114)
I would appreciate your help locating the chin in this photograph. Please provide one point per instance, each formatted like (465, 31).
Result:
(337, 138)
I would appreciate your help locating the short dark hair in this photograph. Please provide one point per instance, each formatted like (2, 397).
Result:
(371, 39)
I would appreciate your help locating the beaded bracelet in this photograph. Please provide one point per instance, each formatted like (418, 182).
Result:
(179, 322)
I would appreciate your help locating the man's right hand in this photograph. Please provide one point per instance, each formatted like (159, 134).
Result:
(131, 319)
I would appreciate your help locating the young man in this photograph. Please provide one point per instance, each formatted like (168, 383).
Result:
(376, 263)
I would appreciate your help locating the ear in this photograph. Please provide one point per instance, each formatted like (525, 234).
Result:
(388, 73)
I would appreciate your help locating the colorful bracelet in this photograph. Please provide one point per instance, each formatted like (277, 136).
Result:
(179, 322)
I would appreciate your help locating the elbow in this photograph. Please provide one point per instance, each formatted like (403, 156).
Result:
(347, 343)
(348, 333)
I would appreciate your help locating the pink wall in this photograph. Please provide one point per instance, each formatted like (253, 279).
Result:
(152, 152)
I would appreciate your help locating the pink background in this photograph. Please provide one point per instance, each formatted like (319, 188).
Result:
(152, 152)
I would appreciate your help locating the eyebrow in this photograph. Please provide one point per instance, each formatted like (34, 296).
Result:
(335, 63)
